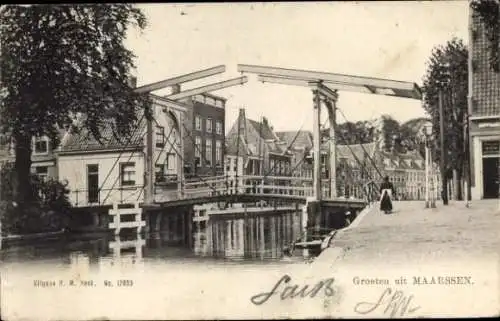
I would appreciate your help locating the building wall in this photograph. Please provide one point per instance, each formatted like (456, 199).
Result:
(206, 107)
(485, 103)
(485, 80)
(73, 169)
(234, 167)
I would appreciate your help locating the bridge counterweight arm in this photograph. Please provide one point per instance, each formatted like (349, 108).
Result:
(181, 79)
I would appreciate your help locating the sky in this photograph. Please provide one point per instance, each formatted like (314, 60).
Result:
(390, 40)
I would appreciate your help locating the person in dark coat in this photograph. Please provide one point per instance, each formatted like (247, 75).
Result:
(386, 194)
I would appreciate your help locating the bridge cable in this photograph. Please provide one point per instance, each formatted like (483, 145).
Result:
(286, 150)
(364, 150)
(353, 154)
(237, 155)
(156, 161)
(183, 161)
(130, 157)
(129, 141)
(201, 153)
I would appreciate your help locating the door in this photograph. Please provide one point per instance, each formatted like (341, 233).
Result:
(491, 177)
(93, 183)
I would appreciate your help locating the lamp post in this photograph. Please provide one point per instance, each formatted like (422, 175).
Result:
(429, 174)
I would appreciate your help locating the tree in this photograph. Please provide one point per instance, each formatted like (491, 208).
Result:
(447, 73)
(410, 134)
(391, 133)
(489, 14)
(51, 214)
(59, 62)
(360, 132)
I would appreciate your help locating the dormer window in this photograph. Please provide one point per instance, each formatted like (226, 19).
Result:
(41, 145)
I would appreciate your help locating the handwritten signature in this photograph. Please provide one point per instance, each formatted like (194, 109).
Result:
(395, 303)
(294, 291)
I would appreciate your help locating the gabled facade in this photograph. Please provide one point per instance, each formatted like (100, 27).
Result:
(111, 170)
(484, 113)
(255, 149)
(301, 144)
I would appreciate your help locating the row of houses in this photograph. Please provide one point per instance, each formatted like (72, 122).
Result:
(254, 148)
(189, 140)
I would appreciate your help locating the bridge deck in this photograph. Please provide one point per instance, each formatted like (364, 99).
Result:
(251, 197)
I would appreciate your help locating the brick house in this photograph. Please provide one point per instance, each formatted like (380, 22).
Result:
(484, 113)
(255, 149)
(205, 137)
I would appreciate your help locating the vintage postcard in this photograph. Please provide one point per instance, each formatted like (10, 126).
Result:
(250, 160)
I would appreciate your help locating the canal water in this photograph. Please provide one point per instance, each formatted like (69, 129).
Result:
(253, 239)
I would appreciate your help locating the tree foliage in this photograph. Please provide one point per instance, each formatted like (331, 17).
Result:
(447, 73)
(360, 132)
(401, 137)
(489, 13)
(48, 212)
(60, 62)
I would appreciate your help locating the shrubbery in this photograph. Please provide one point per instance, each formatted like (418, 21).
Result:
(49, 212)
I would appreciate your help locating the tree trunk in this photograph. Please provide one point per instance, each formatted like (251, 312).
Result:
(23, 191)
(455, 185)
(460, 185)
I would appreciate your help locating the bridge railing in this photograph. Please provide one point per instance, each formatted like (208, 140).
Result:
(275, 185)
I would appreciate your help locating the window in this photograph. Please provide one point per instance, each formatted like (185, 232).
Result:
(41, 145)
(160, 136)
(197, 147)
(197, 123)
(271, 166)
(159, 173)
(218, 127)
(93, 183)
(127, 174)
(42, 172)
(218, 152)
(208, 152)
(209, 125)
(171, 162)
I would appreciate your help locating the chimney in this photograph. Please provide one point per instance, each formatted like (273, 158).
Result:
(132, 82)
(242, 113)
(264, 121)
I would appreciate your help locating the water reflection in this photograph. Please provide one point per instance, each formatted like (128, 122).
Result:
(254, 237)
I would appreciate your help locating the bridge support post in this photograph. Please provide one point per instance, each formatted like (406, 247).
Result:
(332, 117)
(317, 146)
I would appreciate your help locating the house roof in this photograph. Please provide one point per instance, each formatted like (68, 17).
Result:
(85, 141)
(302, 139)
(360, 150)
(253, 134)
(263, 128)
